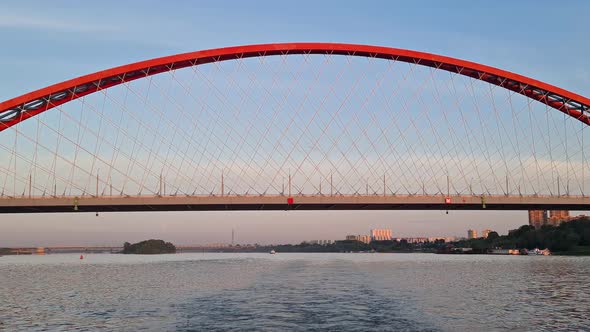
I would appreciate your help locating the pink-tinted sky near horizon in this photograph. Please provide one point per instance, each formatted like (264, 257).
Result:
(264, 227)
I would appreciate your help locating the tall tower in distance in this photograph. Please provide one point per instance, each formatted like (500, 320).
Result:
(471, 234)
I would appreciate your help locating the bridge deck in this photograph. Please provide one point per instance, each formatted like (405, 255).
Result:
(228, 203)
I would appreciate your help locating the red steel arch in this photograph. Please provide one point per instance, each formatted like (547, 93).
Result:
(28, 105)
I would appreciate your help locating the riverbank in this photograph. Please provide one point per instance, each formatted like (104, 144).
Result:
(10, 252)
(575, 251)
(569, 238)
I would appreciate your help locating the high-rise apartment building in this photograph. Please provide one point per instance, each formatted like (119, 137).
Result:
(559, 214)
(471, 234)
(485, 233)
(381, 234)
(556, 217)
(537, 218)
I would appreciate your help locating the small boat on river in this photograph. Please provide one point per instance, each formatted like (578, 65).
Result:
(538, 251)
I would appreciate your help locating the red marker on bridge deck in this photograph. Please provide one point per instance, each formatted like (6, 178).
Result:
(447, 201)
(290, 200)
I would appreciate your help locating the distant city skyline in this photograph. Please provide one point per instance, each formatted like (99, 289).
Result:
(248, 227)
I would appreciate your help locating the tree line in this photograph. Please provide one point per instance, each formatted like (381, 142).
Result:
(149, 247)
(566, 237)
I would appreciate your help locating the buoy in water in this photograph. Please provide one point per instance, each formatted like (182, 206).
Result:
(81, 256)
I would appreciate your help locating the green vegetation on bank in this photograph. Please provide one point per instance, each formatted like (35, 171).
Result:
(149, 247)
(576, 251)
(5, 251)
(356, 246)
(571, 237)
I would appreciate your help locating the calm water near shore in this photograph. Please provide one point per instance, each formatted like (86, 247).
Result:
(357, 292)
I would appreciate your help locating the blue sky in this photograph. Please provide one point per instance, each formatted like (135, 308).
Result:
(47, 42)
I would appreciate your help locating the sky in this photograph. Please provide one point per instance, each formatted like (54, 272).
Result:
(47, 42)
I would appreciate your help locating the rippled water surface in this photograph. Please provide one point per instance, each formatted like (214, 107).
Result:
(356, 292)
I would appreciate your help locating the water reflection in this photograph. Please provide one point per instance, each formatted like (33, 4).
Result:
(414, 292)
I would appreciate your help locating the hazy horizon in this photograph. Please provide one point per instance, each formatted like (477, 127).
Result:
(266, 227)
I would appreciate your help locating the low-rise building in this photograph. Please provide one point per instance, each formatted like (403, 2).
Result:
(426, 239)
(415, 239)
(319, 242)
(364, 238)
(352, 237)
(361, 238)
(445, 239)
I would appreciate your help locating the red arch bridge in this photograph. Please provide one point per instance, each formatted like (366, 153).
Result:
(295, 126)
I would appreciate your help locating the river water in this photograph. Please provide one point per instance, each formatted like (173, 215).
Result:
(353, 292)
